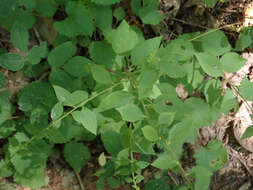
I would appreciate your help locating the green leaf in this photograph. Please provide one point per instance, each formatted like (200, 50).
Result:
(100, 74)
(164, 162)
(112, 142)
(37, 53)
(231, 62)
(213, 157)
(102, 53)
(122, 45)
(119, 13)
(202, 176)
(102, 16)
(60, 78)
(36, 94)
(19, 36)
(77, 23)
(87, 118)
(108, 2)
(150, 133)
(6, 129)
(2, 80)
(11, 61)
(144, 50)
(248, 133)
(46, 8)
(229, 102)
(78, 66)
(57, 111)
(149, 14)
(68, 130)
(213, 91)
(115, 100)
(215, 42)
(76, 155)
(210, 64)
(157, 184)
(59, 55)
(246, 89)
(77, 97)
(131, 113)
(62, 94)
(147, 80)
(6, 7)
(166, 118)
(211, 3)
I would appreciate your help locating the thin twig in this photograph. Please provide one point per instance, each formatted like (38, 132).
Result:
(79, 180)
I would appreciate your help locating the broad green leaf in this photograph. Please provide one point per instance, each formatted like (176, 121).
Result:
(215, 42)
(108, 2)
(231, 62)
(166, 118)
(46, 8)
(5, 171)
(2, 80)
(131, 113)
(122, 45)
(19, 36)
(211, 3)
(77, 23)
(157, 184)
(57, 111)
(229, 102)
(6, 7)
(173, 70)
(34, 178)
(164, 162)
(245, 39)
(87, 118)
(102, 53)
(36, 94)
(100, 74)
(149, 14)
(78, 66)
(147, 80)
(213, 91)
(60, 78)
(37, 53)
(62, 94)
(202, 176)
(77, 97)
(6, 107)
(213, 157)
(68, 130)
(150, 133)
(102, 16)
(142, 52)
(112, 142)
(248, 133)
(246, 89)
(115, 100)
(76, 155)
(210, 64)
(11, 61)
(6, 129)
(119, 13)
(59, 55)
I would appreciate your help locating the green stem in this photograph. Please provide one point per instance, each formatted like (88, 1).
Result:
(174, 157)
(135, 186)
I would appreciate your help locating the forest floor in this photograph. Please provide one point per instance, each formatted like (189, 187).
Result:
(180, 17)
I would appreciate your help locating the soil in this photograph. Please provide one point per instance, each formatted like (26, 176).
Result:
(180, 17)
